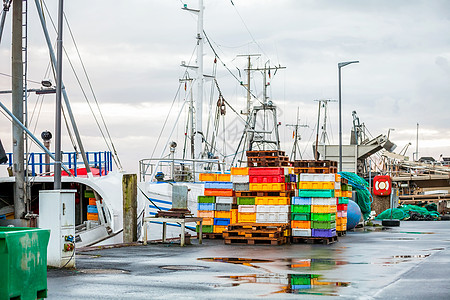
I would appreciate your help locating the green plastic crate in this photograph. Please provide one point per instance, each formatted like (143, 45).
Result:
(323, 217)
(300, 208)
(301, 217)
(23, 262)
(343, 200)
(301, 279)
(206, 228)
(206, 199)
(89, 194)
(316, 193)
(246, 200)
(323, 225)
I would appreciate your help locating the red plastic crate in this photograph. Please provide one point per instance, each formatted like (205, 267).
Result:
(267, 179)
(266, 171)
(342, 207)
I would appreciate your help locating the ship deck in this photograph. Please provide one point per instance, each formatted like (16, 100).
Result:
(408, 262)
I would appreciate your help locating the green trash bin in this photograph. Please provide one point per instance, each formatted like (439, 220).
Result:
(23, 262)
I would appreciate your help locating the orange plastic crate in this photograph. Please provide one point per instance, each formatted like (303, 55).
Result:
(316, 185)
(219, 229)
(239, 171)
(340, 221)
(337, 193)
(267, 187)
(224, 177)
(301, 224)
(92, 216)
(247, 217)
(207, 221)
(342, 227)
(272, 200)
(217, 192)
(205, 213)
(207, 177)
(92, 201)
(338, 178)
(301, 264)
(222, 214)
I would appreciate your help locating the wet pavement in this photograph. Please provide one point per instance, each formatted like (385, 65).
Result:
(408, 262)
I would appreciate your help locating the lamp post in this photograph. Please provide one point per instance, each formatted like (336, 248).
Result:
(340, 65)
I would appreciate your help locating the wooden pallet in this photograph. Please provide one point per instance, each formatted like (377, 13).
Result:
(212, 236)
(259, 226)
(256, 241)
(341, 233)
(289, 193)
(268, 163)
(231, 234)
(324, 170)
(314, 163)
(273, 153)
(314, 240)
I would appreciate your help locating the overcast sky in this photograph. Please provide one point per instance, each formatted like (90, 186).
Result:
(132, 51)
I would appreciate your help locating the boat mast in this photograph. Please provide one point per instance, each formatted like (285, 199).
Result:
(17, 109)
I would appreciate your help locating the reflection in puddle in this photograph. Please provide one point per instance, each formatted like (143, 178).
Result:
(294, 283)
(315, 263)
(237, 260)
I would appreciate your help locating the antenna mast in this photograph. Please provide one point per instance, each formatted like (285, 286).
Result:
(297, 138)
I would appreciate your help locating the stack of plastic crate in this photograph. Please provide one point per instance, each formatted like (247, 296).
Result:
(342, 202)
(272, 206)
(319, 189)
(92, 211)
(215, 206)
(245, 199)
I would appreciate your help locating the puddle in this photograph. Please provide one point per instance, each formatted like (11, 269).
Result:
(103, 271)
(310, 284)
(315, 263)
(183, 268)
(237, 260)
(400, 239)
(414, 232)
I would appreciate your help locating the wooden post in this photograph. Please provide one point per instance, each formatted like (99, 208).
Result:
(129, 192)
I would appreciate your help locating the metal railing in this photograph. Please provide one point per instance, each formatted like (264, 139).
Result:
(36, 162)
(180, 170)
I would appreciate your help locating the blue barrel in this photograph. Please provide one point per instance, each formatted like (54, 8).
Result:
(353, 214)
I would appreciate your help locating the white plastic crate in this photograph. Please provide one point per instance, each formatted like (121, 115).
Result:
(342, 214)
(226, 200)
(240, 178)
(337, 185)
(317, 177)
(272, 208)
(272, 278)
(323, 201)
(262, 217)
(301, 232)
(247, 208)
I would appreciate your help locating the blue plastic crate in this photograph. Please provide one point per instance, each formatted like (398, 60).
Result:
(206, 206)
(300, 287)
(218, 185)
(221, 221)
(292, 178)
(92, 209)
(323, 232)
(301, 201)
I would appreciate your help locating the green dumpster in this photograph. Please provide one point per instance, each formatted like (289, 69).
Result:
(23, 263)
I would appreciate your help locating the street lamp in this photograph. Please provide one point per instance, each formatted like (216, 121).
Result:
(340, 65)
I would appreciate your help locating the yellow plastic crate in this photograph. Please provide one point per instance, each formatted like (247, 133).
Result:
(340, 221)
(337, 193)
(272, 200)
(219, 229)
(224, 177)
(234, 216)
(342, 227)
(287, 232)
(208, 177)
(239, 171)
(348, 194)
(205, 213)
(207, 221)
(316, 185)
(222, 214)
(323, 209)
(290, 170)
(267, 187)
(247, 217)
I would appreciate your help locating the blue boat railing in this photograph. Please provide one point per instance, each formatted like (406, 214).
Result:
(72, 160)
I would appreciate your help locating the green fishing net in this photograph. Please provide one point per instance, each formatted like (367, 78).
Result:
(409, 212)
(363, 197)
